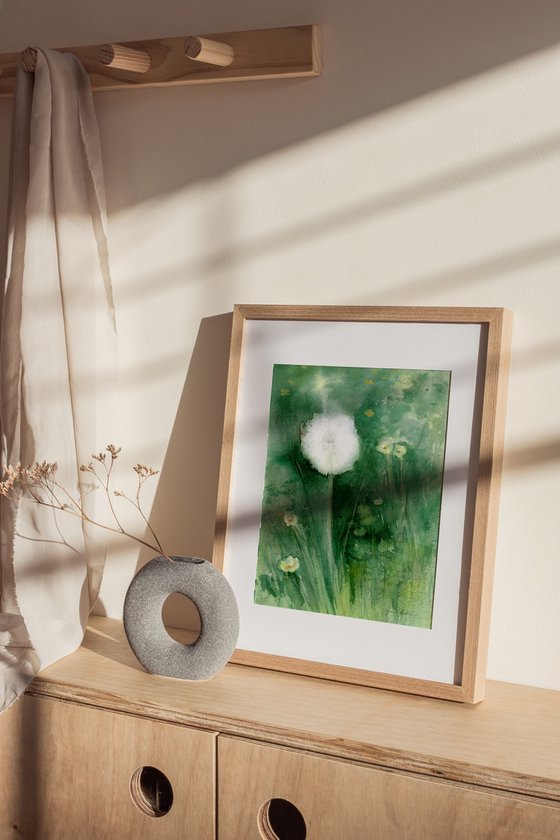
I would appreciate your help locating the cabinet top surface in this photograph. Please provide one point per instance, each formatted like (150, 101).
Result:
(511, 740)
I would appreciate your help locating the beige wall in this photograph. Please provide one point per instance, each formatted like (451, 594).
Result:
(422, 168)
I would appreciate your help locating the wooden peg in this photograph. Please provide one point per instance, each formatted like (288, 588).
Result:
(28, 59)
(210, 52)
(124, 58)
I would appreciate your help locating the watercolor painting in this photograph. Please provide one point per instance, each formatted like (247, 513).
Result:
(352, 495)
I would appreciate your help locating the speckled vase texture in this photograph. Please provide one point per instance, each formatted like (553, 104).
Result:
(206, 586)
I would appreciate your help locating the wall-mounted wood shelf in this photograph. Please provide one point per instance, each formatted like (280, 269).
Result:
(259, 54)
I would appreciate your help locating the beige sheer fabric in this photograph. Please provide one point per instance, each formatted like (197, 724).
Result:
(57, 365)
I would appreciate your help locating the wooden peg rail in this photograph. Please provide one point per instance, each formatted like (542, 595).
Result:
(224, 57)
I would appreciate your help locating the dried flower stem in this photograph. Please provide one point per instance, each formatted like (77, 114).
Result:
(30, 483)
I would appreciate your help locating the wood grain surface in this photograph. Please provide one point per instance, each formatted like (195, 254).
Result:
(510, 742)
(340, 801)
(286, 52)
(67, 770)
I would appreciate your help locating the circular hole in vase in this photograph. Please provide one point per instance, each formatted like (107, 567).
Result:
(181, 618)
(151, 791)
(279, 819)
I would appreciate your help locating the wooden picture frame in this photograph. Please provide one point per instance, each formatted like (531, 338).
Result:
(358, 491)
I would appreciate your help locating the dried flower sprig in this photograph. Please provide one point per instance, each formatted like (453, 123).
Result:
(38, 483)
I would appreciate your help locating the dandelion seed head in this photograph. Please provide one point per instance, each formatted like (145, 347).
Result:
(330, 443)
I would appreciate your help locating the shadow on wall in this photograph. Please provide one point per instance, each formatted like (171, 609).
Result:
(333, 222)
(185, 503)
(377, 56)
(184, 506)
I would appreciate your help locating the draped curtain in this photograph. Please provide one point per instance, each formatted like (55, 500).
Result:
(57, 365)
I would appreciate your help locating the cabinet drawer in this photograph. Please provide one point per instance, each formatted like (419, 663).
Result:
(342, 801)
(67, 773)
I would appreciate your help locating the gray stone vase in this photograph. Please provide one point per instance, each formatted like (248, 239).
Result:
(206, 586)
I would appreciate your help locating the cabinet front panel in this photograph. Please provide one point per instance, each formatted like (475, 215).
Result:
(341, 801)
(67, 773)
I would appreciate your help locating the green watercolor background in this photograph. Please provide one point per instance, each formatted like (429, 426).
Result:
(362, 543)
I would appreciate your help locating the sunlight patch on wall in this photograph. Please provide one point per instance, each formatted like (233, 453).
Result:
(441, 185)
(445, 199)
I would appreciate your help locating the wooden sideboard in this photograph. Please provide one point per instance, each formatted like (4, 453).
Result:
(97, 748)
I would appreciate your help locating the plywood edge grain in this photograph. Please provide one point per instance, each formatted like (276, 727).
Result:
(380, 757)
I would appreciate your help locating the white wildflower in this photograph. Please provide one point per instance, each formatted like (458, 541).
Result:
(330, 443)
(290, 564)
